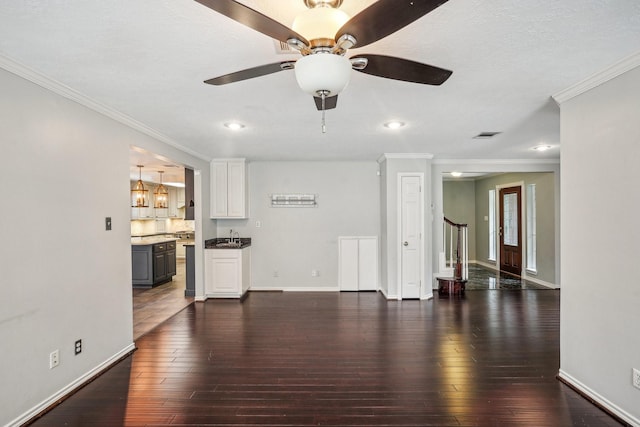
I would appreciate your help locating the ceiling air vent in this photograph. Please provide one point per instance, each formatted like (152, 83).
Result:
(486, 135)
(283, 48)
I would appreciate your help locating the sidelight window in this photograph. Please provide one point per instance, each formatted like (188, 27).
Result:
(492, 225)
(531, 228)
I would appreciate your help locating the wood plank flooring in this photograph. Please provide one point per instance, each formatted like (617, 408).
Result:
(342, 359)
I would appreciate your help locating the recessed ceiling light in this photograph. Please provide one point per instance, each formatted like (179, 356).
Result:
(394, 124)
(541, 147)
(456, 174)
(234, 125)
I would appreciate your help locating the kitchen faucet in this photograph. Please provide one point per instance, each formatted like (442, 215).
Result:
(237, 236)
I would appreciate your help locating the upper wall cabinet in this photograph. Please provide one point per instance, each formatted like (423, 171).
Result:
(228, 188)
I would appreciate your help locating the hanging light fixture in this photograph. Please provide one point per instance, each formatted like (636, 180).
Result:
(139, 194)
(161, 195)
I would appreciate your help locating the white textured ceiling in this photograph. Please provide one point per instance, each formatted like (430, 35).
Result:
(148, 58)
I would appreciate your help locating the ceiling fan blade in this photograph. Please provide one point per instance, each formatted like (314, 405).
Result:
(403, 69)
(250, 73)
(253, 19)
(329, 103)
(385, 17)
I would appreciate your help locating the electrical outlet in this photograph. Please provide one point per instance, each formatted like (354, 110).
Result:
(314, 273)
(258, 224)
(275, 273)
(54, 359)
(636, 377)
(78, 347)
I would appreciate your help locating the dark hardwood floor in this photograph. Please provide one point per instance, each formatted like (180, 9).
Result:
(302, 359)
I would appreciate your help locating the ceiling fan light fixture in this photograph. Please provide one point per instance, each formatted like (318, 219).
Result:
(314, 3)
(322, 72)
(320, 23)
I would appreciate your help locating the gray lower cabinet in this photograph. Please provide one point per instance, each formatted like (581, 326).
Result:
(153, 264)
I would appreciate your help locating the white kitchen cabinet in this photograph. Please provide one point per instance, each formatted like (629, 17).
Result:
(358, 263)
(228, 188)
(176, 202)
(227, 272)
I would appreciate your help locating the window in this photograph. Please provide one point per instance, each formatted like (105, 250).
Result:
(492, 225)
(531, 228)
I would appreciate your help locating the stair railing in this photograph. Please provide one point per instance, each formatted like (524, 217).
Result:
(458, 254)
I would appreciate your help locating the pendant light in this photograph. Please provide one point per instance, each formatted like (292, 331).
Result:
(161, 195)
(139, 194)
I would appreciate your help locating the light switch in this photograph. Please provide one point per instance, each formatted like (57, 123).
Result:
(107, 223)
(258, 224)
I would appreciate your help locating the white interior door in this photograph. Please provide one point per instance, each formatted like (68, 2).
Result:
(410, 236)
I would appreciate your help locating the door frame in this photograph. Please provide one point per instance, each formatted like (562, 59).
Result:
(523, 234)
(420, 176)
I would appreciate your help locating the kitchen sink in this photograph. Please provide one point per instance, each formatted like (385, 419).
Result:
(228, 245)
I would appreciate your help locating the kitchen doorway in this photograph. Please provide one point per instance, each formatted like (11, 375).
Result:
(171, 222)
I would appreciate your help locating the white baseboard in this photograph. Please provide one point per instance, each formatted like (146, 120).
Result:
(387, 296)
(70, 388)
(295, 289)
(312, 289)
(602, 401)
(486, 264)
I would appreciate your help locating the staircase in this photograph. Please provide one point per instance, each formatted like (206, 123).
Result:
(453, 259)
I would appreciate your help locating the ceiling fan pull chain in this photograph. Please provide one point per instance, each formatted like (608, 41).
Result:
(323, 95)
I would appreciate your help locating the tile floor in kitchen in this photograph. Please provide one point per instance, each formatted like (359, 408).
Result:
(153, 306)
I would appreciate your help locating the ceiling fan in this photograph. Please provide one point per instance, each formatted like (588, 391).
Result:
(323, 34)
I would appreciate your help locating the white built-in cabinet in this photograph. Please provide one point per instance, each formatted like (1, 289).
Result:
(227, 272)
(228, 188)
(358, 263)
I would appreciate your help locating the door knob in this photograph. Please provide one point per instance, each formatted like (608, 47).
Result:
(406, 243)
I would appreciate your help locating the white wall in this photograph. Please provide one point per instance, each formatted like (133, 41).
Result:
(65, 168)
(600, 314)
(295, 241)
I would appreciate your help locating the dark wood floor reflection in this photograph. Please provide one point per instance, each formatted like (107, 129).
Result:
(303, 359)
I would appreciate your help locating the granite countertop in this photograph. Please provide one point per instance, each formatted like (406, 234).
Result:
(219, 243)
(163, 233)
(151, 240)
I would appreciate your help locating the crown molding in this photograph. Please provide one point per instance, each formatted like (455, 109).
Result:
(496, 162)
(409, 156)
(41, 80)
(621, 67)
